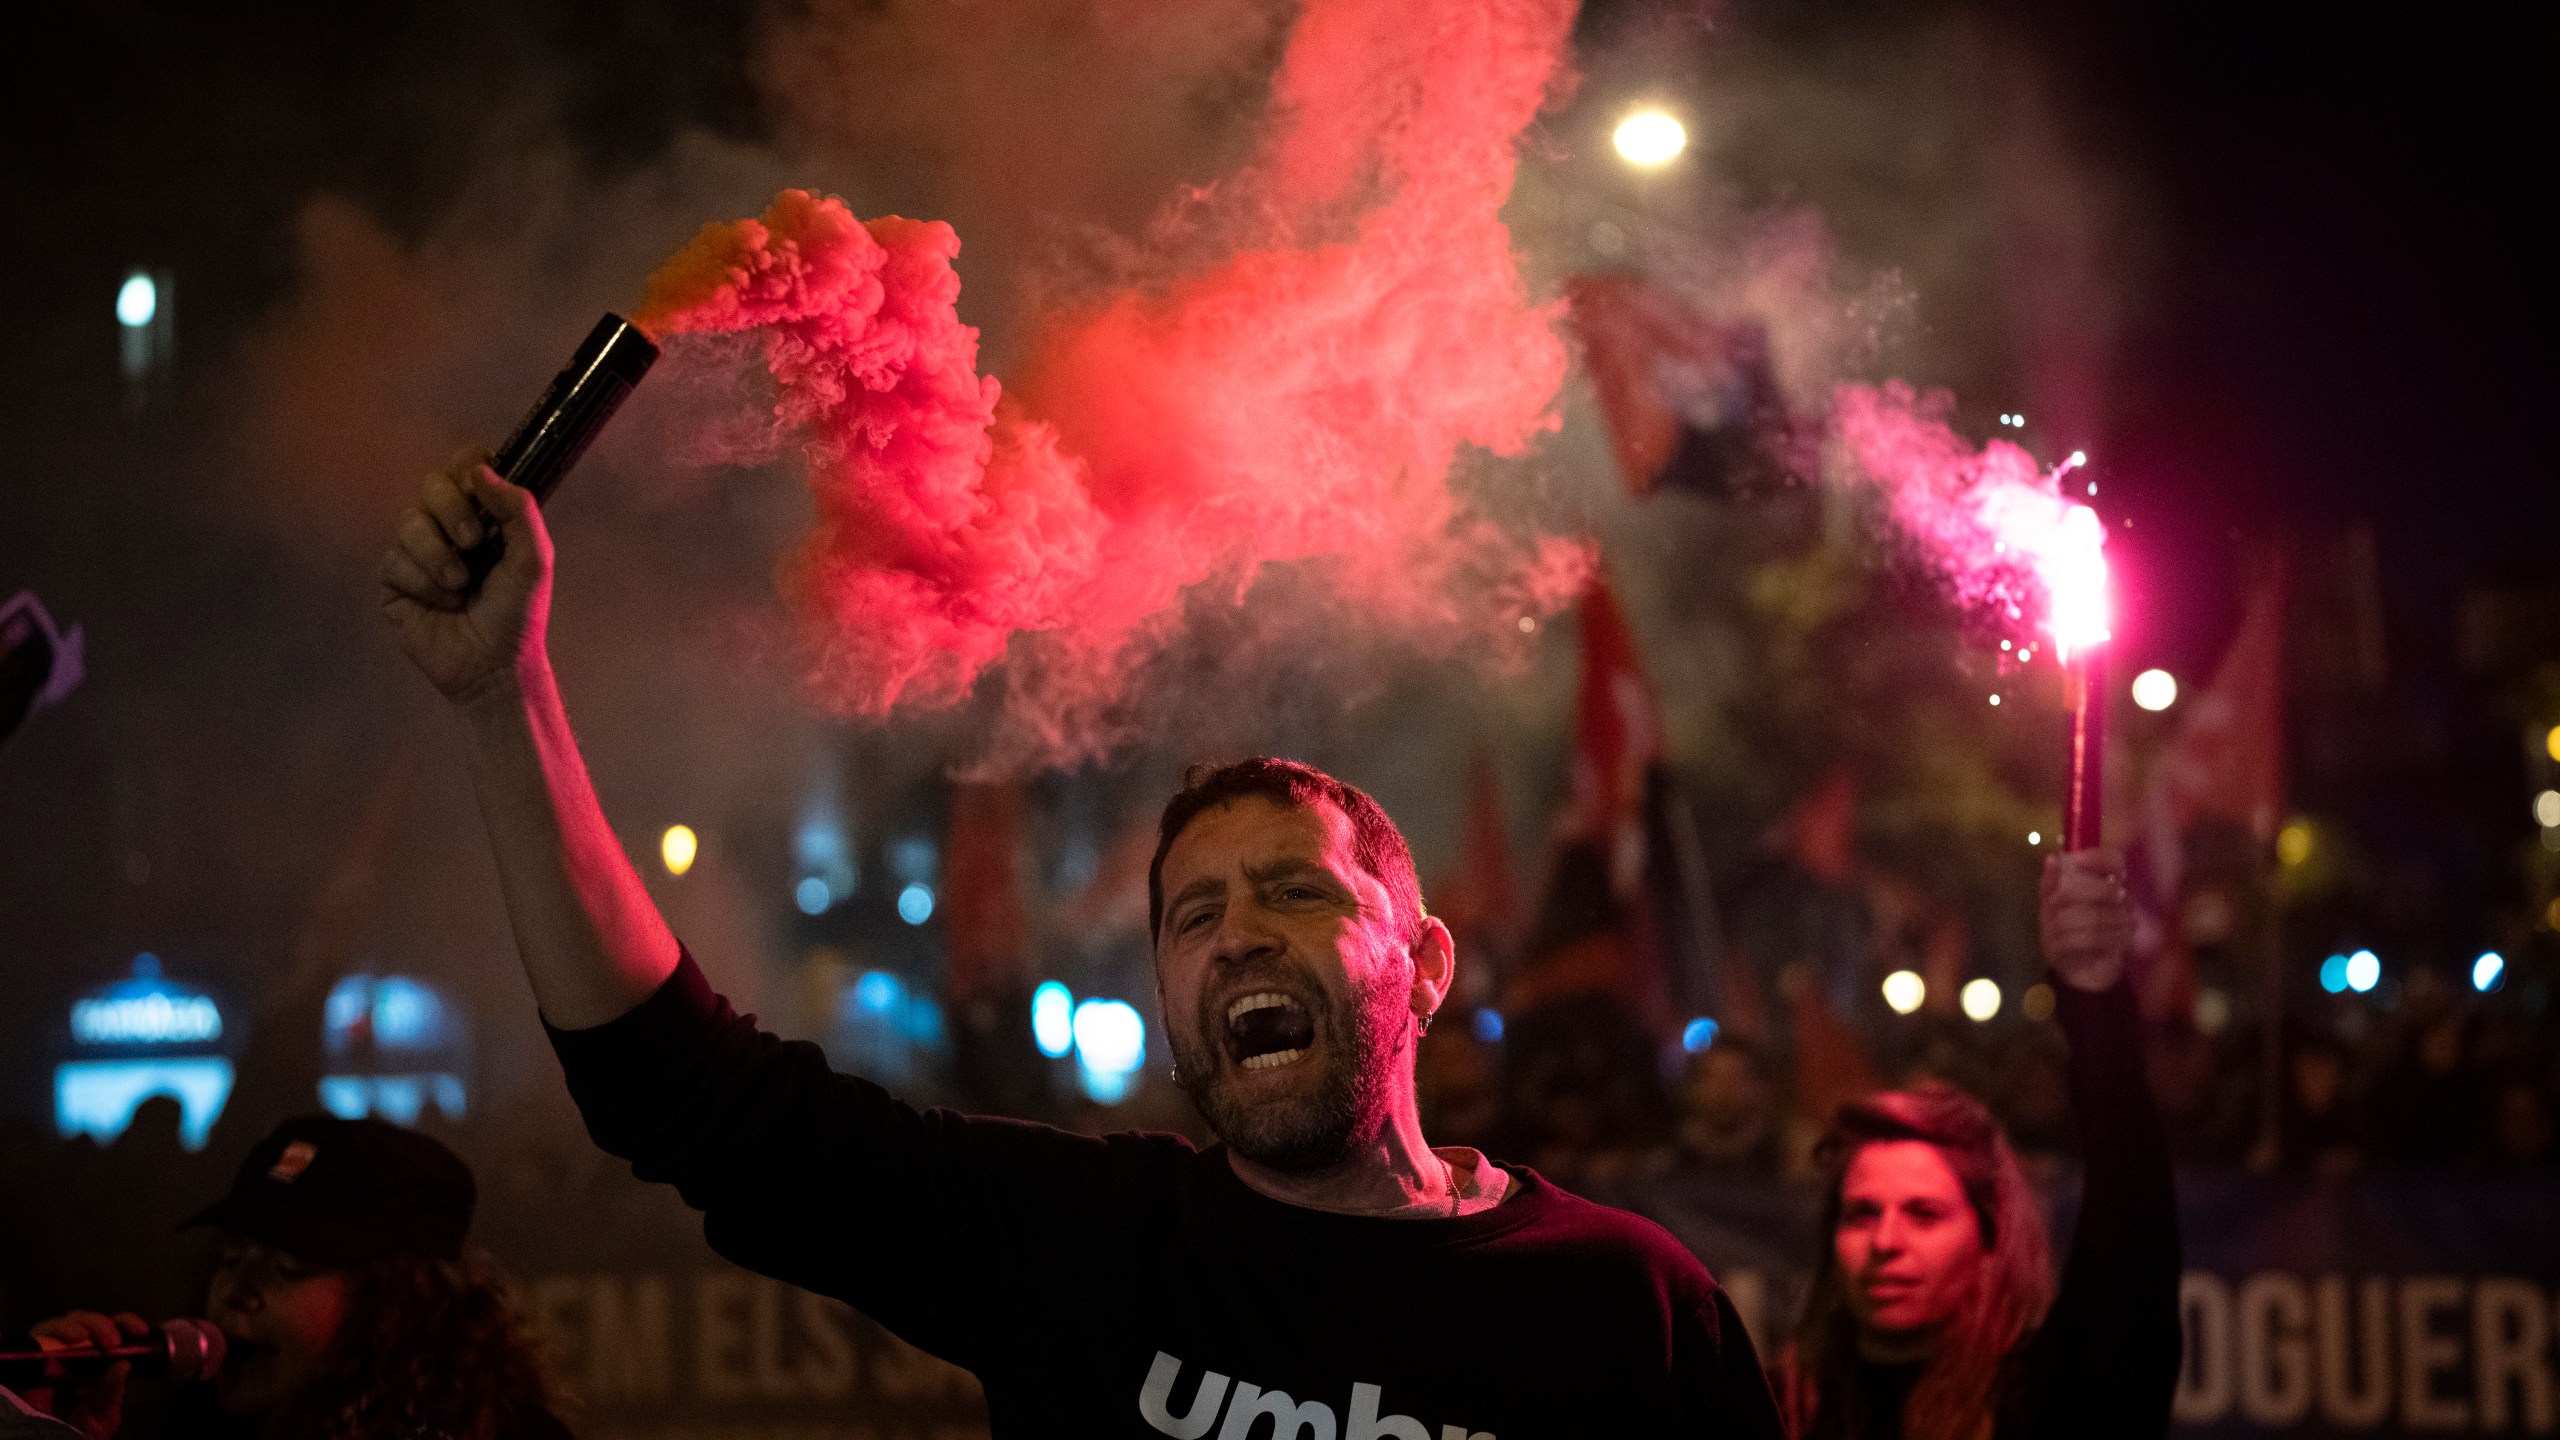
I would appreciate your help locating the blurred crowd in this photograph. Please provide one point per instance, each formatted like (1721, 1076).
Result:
(1565, 1071)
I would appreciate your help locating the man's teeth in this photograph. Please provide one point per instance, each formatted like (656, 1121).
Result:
(1276, 1057)
(1259, 1000)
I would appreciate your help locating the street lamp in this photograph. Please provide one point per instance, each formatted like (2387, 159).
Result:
(1650, 138)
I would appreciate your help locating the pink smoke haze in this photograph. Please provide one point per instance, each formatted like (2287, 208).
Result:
(1301, 397)
(1992, 522)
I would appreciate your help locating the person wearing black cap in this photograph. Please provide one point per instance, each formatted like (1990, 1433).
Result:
(353, 1304)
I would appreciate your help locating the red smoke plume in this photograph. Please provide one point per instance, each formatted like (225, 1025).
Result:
(1300, 399)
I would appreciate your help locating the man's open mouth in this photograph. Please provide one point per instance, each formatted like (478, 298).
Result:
(1267, 1029)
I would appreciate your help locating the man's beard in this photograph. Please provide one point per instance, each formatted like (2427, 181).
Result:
(1305, 1133)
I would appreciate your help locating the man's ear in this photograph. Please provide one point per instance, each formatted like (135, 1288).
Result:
(1435, 965)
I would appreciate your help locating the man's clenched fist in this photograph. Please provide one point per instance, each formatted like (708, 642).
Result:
(468, 638)
(2087, 922)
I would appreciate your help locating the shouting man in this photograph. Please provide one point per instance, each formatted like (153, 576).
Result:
(1323, 1273)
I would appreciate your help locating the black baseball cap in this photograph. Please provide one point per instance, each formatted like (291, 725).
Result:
(342, 1192)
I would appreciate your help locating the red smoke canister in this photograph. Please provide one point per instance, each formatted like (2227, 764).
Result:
(2084, 695)
(612, 359)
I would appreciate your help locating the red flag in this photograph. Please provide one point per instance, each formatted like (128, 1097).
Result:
(2225, 761)
(1479, 898)
(1617, 747)
(982, 896)
(1627, 328)
(2228, 759)
(1618, 732)
(1690, 401)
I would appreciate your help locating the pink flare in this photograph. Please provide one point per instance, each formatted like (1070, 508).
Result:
(1991, 522)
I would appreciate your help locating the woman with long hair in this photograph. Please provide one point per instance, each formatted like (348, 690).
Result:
(1933, 1312)
(353, 1306)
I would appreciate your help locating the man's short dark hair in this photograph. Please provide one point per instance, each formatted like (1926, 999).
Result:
(1376, 844)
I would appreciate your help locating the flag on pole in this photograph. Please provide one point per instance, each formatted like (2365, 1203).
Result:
(1478, 898)
(1617, 740)
(1691, 402)
(2225, 761)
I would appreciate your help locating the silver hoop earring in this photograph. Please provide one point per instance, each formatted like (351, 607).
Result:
(1422, 1022)
(1173, 1072)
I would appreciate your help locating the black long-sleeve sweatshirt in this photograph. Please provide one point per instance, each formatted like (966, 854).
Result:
(1134, 1286)
(2104, 1365)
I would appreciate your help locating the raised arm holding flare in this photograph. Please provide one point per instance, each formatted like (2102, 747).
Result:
(1323, 1266)
(593, 943)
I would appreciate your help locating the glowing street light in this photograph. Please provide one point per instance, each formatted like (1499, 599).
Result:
(1053, 1019)
(1650, 138)
(2488, 972)
(1980, 998)
(1111, 1043)
(1904, 990)
(2155, 690)
(137, 302)
(2364, 971)
(677, 848)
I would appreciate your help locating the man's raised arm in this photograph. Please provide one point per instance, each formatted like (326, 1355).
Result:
(593, 942)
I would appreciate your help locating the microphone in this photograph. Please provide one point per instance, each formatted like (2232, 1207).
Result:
(185, 1351)
(611, 360)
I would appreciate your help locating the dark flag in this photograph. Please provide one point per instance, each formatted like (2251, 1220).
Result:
(1692, 402)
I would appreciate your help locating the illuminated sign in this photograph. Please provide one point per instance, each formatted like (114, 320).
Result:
(97, 1098)
(387, 1012)
(396, 1049)
(144, 1024)
(146, 1020)
(146, 1010)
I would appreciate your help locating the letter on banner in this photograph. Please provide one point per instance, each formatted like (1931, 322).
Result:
(1290, 1419)
(1196, 1421)
(719, 1336)
(2425, 1354)
(2205, 1379)
(2510, 1329)
(1365, 1423)
(630, 1347)
(2275, 1349)
(2343, 1355)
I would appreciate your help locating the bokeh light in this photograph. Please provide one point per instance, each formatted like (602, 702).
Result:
(1980, 998)
(1650, 138)
(2364, 971)
(1110, 1036)
(915, 903)
(137, 302)
(1699, 1034)
(2037, 1003)
(2155, 690)
(2293, 843)
(677, 848)
(1053, 1019)
(2489, 971)
(1904, 990)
